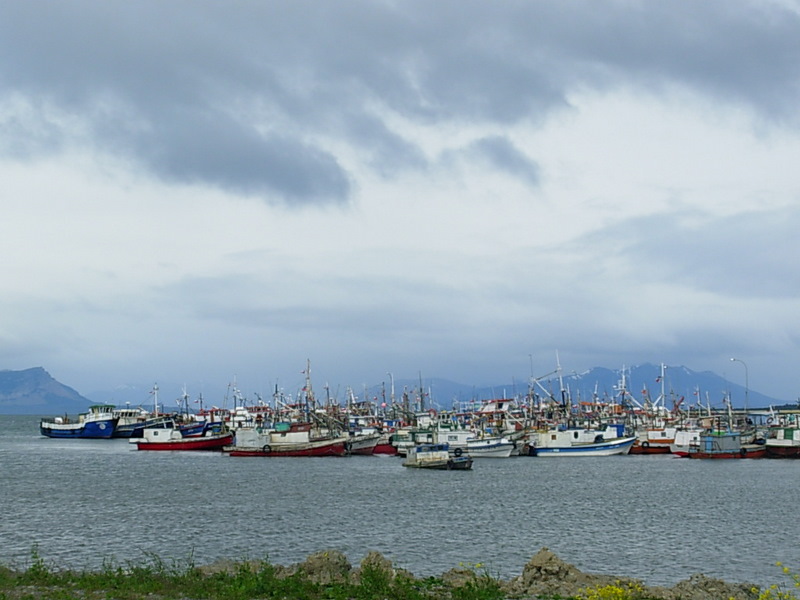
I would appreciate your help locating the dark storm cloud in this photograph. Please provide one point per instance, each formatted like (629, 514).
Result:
(243, 95)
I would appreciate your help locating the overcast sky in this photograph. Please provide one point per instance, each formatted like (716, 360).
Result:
(201, 190)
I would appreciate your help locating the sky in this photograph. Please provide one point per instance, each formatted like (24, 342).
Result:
(203, 191)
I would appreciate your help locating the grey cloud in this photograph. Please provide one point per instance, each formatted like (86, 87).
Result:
(29, 131)
(226, 153)
(506, 157)
(163, 81)
(743, 52)
(745, 255)
(388, 151)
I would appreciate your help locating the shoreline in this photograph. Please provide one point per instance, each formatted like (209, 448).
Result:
(544, 576)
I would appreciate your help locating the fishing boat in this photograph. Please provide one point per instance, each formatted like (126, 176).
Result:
(363, 443)
(287, 439)
(784, 442)
(490, 447)
(168, 436)
(654, 441)
(385, 447)
(131, 422)
(654, 424)
(98, 423)
(405, 438)
(436, 456)
(685, 439)
(583, 442)
(725, 443)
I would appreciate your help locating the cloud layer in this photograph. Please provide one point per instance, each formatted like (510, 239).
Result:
(195, 189)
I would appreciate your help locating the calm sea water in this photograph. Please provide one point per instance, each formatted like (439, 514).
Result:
(657, 518)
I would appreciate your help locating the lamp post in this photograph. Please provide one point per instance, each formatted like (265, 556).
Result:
(746, 383)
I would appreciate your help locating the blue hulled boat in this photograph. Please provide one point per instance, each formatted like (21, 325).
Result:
(99, 423)
(583, 442)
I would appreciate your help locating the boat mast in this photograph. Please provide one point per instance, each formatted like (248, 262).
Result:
(391, 390)
(421, 394)
(154, 392)
(564, 396)
(185, 403)
(309, 394)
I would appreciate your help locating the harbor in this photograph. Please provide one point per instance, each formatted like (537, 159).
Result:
(658, 518)
(539, 423)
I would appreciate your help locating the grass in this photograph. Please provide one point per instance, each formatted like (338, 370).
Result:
(158, 580)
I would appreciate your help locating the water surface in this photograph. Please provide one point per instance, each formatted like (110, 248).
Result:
(656, 518)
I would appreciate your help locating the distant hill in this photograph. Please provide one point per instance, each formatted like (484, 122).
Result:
(679, 382)
(34, 392)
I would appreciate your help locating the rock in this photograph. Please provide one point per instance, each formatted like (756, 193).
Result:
(377, 562)
(700, 587)
(329, 566)
(546, 574)
(224, 565)
(458, 577)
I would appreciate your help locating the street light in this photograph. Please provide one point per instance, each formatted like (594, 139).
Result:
(746, 383)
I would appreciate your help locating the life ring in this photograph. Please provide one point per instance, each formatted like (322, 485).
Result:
(458, 452)
(645, 444)
(266, 449)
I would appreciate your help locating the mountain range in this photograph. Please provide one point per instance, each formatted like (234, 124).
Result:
(34, 391)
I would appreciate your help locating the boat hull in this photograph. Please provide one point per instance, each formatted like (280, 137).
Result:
(490, 449)
(458, 463)
(744, 452)
(363, 445)
(92, 430)
(336, 448)
(608, 448)
(783, 451)
(649, 448)
(385, 449)
(210, 442)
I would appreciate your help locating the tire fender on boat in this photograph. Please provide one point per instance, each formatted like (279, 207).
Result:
(458, 452)
(645, 444)
(742, 451)
(266, 449)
